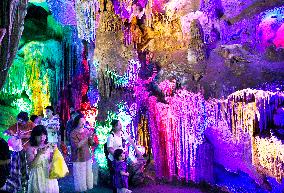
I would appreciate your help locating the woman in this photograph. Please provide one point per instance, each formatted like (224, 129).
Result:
(39, 156)
(116, 140)
(81, 139)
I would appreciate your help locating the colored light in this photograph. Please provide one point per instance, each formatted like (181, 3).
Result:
(129, 79)
(22, 105)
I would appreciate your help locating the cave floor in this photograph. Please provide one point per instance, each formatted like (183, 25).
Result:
(66, 186)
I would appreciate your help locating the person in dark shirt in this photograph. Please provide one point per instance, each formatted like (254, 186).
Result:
(149, 75)
(4, 162)
(69, 125)
(20, 131)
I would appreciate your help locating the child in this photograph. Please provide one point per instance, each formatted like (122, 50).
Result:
(121, 174)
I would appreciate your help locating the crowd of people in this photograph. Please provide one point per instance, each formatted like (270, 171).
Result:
(26, 159)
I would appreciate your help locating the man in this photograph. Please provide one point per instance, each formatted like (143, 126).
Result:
(149, 73)
(52, 124)
(21, 130)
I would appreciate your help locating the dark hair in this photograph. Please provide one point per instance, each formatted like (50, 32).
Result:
(50, 108)
(117, 153)
(76, 120)
(33, 117)
(73, 109)
(37, 131)
(24, 116)
(114, 123)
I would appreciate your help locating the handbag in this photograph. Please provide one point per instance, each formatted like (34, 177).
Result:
(58, 167)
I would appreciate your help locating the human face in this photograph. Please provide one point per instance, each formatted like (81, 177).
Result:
(48, 112)
(41, 139)
(21, 121)
(122, 156)
(81, 123)
(118, 126)
(37, 121)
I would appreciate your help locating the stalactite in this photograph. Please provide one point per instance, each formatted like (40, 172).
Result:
(32, 74)
(109, 79)
(12, 19)
(251, 113)
(69, 92)
(86, 15)
(178, 128)
(196, 48)
(143, 134)
(109, 21)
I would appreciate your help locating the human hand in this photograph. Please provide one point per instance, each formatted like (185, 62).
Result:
(43, 150)
(23, 134)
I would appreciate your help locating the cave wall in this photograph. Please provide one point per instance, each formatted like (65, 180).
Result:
(210, 47)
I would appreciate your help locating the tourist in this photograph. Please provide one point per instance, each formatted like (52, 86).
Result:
(20, 134)
(120, 172)
(69, 125)
(116, 140)
(81, 140)
(39, 156)
(52, 124)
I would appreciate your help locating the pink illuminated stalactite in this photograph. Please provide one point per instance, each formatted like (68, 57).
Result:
(176, 125)
(179, 132)
(158, 5)
(177, 128)
(279, 38)
(154, 134)
(162, 141)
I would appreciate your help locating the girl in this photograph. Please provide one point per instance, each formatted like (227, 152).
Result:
(121, 175)
(81, 139)
(39, 158)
